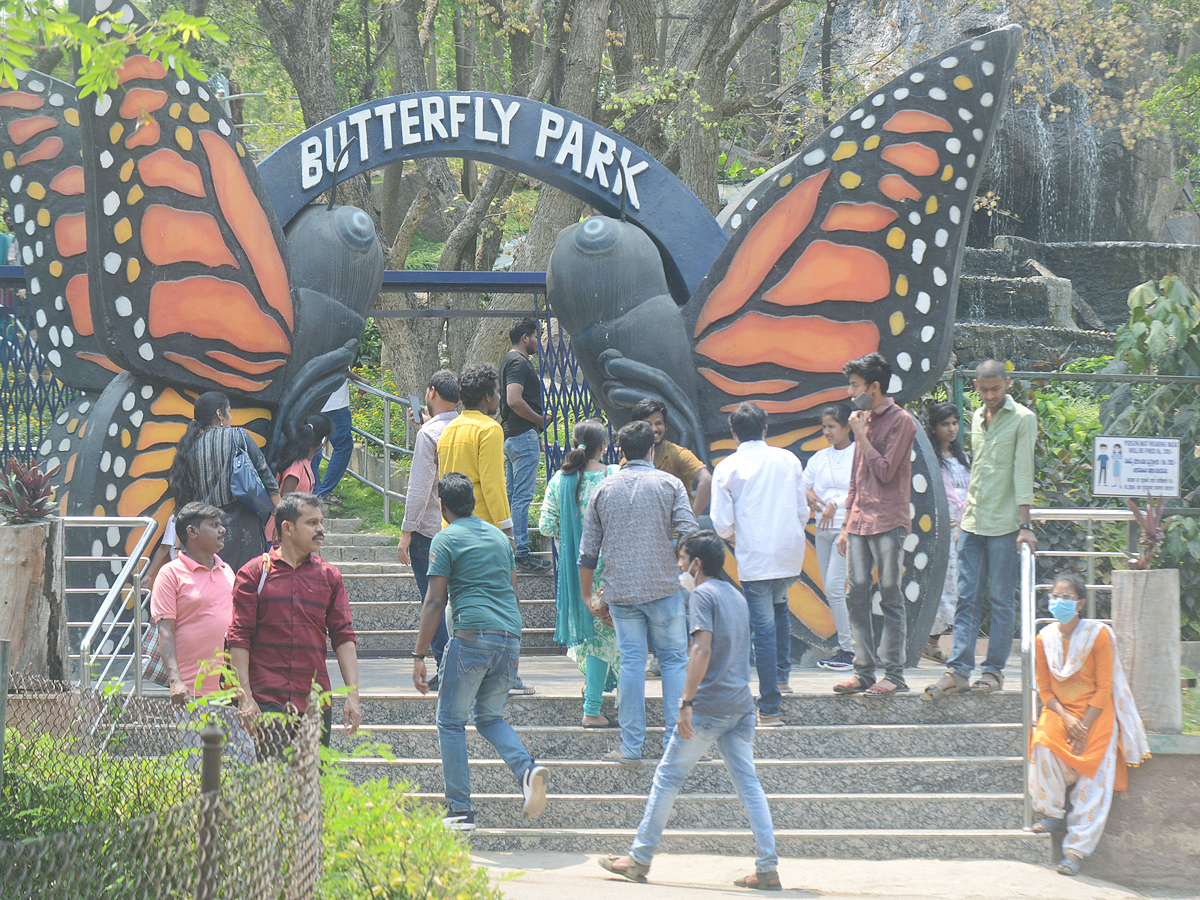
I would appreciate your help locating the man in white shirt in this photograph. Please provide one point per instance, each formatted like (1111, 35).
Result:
(758, 505)
(341, 442)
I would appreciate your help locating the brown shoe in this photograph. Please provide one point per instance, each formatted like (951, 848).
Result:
(626, 867)
(760, 881)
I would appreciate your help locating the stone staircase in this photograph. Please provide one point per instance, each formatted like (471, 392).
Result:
(848, 777)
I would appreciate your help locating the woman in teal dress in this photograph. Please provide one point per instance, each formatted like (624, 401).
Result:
(588, 634)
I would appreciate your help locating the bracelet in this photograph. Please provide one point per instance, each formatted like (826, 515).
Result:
(1028, 528)
(420, 656)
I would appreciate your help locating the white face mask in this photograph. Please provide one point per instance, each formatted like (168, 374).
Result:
(687, 580)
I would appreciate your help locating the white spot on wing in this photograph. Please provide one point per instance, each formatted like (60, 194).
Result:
(954, 145)
(918, 251)
(987, 99)
(914, 217)
(939, 276)
(927, 333)
(868, 122)
(736, 220)
(895, 384)
(111, 203)
(988, 68)
(836, 132)
(903, 360)
(123, 307)
(949, 62)
(103, 104)
(878, 100)
(937, 93)
(900, 93)
(814, 157)
(916, 77)
(112, 262)
(941, 237)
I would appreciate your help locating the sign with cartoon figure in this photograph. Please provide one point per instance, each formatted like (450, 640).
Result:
(1135, 466)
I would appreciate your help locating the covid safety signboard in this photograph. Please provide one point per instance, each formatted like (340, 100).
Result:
(1135, 466)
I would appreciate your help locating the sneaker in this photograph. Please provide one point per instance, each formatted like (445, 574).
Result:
(842, 661)
(653, 670)
(785, 689)
(533, 786)
(618, 756)
(532, 565)
(459, 821)
(521, 689)
(769, 721)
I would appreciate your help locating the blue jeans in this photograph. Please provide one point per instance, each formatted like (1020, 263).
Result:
(883, 555)
(521, 455)
(735, 736)
(418, 554)
(341, 443)
(771, 630)
(477, 674)
(661, 621)
(990, 560)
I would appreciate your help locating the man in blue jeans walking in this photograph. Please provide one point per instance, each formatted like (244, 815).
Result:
(716, 707)
(995, 523)
(758, 504)
(341, 441)
(632, 520)
(522, 419)
(471, 562)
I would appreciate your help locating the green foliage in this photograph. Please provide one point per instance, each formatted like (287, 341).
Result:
(26, 494)
(1191, 710)
(381, 842)
(1181, 550)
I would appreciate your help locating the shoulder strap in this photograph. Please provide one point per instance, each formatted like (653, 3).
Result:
(266, 568)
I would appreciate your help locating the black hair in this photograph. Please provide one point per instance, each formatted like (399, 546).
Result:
(748, 421)
(644, 409)
(477, 382)
(521, 328)
(315, 428)
(872, 368)
(1078, 585)
(291, 507)
(588, 436)
(193, 514)
(991, 368)
(708, 548)
(635, 440)
(445, 385)
(457, 494)
(840, 413)
(935, 416)
(185, 475)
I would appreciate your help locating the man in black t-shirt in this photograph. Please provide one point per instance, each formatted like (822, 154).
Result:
(521, 416)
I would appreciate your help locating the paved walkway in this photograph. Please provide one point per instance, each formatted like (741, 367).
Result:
(550, 876)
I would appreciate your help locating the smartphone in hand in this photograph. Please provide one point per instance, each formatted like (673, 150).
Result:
(418, 409)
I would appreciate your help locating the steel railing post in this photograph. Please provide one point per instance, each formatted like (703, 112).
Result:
(1028, 685)
(4, 650)
(387, 460)
(136, 593)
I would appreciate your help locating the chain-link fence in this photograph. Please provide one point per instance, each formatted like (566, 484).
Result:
(107, 795)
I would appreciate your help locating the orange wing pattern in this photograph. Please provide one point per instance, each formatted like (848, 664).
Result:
(43, 182)
(188, 262)
(853, 245)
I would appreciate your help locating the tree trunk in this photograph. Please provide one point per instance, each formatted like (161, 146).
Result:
(33, 615)
(464, 77)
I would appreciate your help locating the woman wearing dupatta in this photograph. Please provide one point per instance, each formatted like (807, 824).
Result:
(587, 633)
(1089, 729)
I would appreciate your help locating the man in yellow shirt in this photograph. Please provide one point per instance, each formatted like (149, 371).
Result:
(474, 444)
(674, 459)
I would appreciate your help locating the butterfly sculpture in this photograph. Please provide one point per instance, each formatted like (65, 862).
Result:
(852, 246)
(157, 270)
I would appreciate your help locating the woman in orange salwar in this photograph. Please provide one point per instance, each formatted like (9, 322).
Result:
(1089, 729)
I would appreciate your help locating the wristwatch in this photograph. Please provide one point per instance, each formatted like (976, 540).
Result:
(683, 703)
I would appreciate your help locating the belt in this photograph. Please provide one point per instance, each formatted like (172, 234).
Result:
(470, 635)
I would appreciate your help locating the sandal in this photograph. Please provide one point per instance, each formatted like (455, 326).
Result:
(988, 682)
(1049, 825)
(632, 870)
(609, 722)
(855, 684)
(761, 881)
(949, 683)
(933, 651)
(1069, 865)
(885, 688)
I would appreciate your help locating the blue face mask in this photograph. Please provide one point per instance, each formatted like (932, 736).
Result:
(1063, 610)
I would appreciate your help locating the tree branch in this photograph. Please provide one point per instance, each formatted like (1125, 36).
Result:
(426, 30)
(412, 221)
(734, 44)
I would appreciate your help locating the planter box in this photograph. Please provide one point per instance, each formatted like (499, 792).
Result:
(1146, 621)
(32, 610)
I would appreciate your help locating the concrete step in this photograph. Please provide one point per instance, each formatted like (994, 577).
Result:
(359, 539)
(932, 775)
(406, 614)
(346, 553)
(410, 708)
(934, 811)
(399, 584)
(338, 526)
(549, 742)
(534, 642)
(838, 843)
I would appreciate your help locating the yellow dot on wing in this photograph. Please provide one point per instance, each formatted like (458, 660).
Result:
(114, 133)
(10, 161)
(850, 181)
(72, 116)
(123, 231)
(896, 322)
(871, 143)
(127, 170)
(895, 238)
(902, 285)
(785, 180)
(931, 206)
(135, 194)
(198, 114)
(241, 150)
(963, 83)
(947, 173)
(56, 268)
(174, 110)
(36, 191)
(43, 218)
(845, 150)
(126, 439)
(183, 138)
(134, 270)
(925, 523)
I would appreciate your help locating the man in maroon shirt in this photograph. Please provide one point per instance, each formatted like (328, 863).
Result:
(277, 638)
(877, 521)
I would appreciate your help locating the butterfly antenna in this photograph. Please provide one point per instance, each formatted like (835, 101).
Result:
(337, 167)
(624, 195)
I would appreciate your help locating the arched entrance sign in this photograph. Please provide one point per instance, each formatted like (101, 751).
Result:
(560, 148)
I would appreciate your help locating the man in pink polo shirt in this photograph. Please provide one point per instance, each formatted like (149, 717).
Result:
(192, 602)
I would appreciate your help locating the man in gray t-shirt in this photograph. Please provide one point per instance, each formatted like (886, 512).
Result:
(716, 708)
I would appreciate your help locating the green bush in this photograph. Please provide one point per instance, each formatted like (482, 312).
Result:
(381, 842)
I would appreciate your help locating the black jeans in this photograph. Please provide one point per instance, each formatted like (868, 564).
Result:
(418, 554)
(271, 739)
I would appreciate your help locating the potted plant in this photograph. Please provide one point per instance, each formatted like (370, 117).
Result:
(32, 608)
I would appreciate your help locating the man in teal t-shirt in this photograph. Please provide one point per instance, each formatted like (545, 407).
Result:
(471, 563)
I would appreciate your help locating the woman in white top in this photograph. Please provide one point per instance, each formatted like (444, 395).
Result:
(942, 425)
(827, 480)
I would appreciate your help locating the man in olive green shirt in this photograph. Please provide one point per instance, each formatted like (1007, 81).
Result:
(995, 524)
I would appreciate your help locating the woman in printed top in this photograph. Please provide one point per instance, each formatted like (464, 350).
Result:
(942, 427)
(294, 470)
(588, 633)
(202, 469)
(1089, 730)
(826, 481)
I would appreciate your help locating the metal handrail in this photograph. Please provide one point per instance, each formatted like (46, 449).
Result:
(385, 489)
(130, 577)
(1028, 613)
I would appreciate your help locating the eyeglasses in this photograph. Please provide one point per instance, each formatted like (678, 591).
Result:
(1070, 597)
